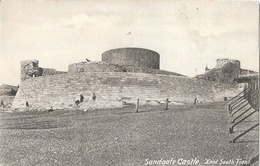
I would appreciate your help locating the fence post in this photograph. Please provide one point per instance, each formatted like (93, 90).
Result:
(137, 106)
(167, 101)
(195, 100)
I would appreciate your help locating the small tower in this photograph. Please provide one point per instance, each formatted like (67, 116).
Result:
(232, 67)
(27, 69)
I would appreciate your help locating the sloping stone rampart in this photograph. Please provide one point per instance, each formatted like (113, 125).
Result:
(109, 67)
(60, 91)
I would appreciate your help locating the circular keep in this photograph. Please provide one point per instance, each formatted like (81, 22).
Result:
(136, 57)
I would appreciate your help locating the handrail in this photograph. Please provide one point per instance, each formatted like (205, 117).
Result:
(233, 97)
(248, 102)
(237, 104)
(231, 129)
(249, 93)
(241, 114)
(240, 135)
(239, 99)
(240, 109)
(245, 93)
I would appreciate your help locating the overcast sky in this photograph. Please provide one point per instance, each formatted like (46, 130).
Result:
(188, 35)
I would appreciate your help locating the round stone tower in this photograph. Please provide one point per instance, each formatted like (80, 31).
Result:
(136, 57)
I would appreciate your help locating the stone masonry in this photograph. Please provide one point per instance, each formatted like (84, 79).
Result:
(123, 76)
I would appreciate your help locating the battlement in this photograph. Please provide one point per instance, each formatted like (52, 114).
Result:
(31, 69)
(94, 67)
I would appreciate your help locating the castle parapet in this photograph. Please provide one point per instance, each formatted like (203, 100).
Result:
(30, 69)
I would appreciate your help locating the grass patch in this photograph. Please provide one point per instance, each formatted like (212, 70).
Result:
(120, 136)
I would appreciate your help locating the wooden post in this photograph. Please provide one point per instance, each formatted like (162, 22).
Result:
(195, 101)
(167, 101)
(137, 106)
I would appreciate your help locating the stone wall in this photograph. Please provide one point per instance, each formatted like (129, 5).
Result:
(247, 72)
(60, 91)
(48, 71)
(108, 67)
(226, 90)
(222, 62)
(94, 67)
(150, 71)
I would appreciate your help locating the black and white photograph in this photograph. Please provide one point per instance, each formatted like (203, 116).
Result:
(129, 82)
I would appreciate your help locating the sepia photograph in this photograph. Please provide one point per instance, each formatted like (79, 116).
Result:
(129, 82)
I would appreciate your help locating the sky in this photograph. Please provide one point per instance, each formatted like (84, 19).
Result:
(188, 34)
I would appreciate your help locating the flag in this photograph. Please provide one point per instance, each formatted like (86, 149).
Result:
(129, 33)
